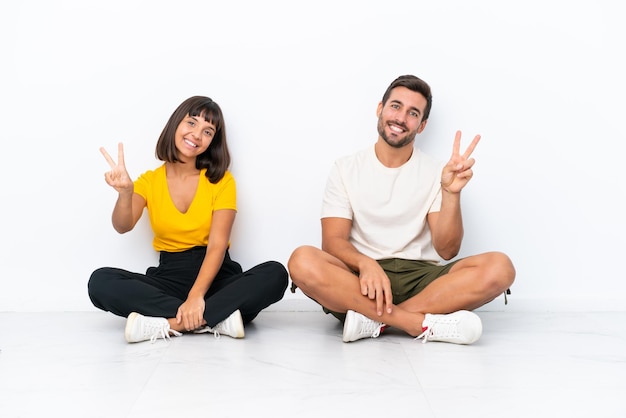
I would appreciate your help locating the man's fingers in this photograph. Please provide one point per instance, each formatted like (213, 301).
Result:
(471, 147)
(364, 289)
(380, 299)
(456, 147)
(389, 302)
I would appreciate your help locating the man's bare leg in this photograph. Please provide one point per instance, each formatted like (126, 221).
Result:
(471, 283)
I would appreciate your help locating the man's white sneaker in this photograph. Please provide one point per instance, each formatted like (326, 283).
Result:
(143, 328)
(231, 326)
(357, 326)
(461, 327)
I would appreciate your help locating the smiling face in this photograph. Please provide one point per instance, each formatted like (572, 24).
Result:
(193, 136)
(401, 117)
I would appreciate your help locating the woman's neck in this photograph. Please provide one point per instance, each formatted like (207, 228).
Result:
(181, 170)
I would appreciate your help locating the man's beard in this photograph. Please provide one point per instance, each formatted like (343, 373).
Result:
(410, 136)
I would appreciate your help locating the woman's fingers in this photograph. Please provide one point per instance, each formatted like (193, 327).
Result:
(107, 157)
(120, 156)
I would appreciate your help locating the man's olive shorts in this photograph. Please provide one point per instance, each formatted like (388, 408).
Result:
(407, 277)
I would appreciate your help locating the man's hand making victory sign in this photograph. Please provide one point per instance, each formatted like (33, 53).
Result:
(458, 171)
(118, 177)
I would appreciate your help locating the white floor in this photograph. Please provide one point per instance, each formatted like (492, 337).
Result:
(294, 364)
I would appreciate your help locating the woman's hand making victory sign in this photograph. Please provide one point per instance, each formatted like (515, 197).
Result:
(458, 171)
(129, 205)
(118, 177)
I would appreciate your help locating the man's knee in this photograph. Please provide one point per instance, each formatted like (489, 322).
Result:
(499, 271)
(301, 261)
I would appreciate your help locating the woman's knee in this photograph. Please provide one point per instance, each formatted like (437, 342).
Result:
(273, 272)
(97, 286)
(96, 281)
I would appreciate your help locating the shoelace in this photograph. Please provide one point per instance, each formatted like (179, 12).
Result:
(425, 335)
(372, 328)
(222, 326)
(443, 328)
(216, 333)
(206, 329)
(163, 332)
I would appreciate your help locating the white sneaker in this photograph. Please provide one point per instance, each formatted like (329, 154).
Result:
(357, 326)
(143, 328)
(231, 326)
(461, 327)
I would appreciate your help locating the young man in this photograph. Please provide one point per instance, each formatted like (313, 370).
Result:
(390, 213)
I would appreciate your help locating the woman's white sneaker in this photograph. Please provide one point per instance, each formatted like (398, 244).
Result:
(143, 328)
(231, 326)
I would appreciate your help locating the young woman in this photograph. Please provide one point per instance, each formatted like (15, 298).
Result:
(191, 201)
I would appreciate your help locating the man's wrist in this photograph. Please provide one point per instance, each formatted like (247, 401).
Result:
(445, 189)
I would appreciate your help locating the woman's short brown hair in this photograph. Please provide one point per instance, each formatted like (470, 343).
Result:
(216, 159)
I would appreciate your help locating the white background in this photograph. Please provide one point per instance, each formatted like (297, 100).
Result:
(541, 81)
